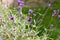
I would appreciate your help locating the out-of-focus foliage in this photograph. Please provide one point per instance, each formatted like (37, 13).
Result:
(43, 25)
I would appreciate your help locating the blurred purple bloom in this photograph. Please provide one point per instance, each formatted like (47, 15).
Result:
(19, 7)
(20, 3)
(34, 14)
(49, 4)
(11, 17)
(55, 12)
(59, 17)
(29, 18)
(30, 11)
(51, 26)
(0, 38)
(58, 11)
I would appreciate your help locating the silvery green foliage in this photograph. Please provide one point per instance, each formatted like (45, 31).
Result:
(16, 30)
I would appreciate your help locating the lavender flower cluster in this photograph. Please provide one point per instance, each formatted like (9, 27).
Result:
(20, 4)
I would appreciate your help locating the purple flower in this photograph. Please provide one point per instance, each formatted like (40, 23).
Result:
(55, 12)
(59, 17)
(19, 7)
(11, 17)
(49, 4)
(20, 3)
(30, 11)
(0, 38)
(29, 18)
(51, 26)
(34, 14)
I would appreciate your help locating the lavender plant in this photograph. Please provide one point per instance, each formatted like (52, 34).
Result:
(25, 23)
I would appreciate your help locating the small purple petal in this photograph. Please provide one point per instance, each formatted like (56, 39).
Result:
(20, 4)
(59, 17)
(0, 38)
(34, 14)
(58, 11)
(29, 18)
(51, 26)
(11, 17)
(55, 12)
(49, 4)
(18, 1)
(19, 7)
(30, 11)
